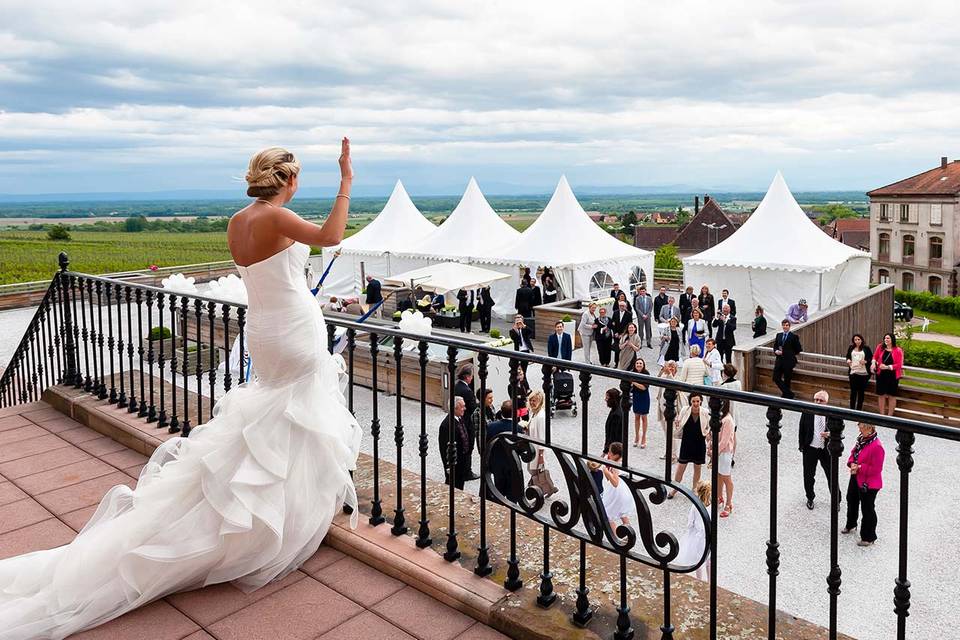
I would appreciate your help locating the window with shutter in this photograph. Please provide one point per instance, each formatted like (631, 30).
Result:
(936, 214)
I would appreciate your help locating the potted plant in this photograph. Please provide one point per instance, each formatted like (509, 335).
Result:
(569, 326)
(495, 334)
(397, 316)
(200, 353)
(156, 337)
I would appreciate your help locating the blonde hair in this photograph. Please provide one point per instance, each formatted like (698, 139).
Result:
(270, 170)
(703, 491)
(694, 350)
(536, 397)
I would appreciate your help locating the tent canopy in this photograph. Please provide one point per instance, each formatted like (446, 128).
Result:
(565, 236)
(471, 230)
(446, 276)
(778, 235)
(395, 228)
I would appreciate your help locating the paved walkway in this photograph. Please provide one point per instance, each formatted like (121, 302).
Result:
(53, 472)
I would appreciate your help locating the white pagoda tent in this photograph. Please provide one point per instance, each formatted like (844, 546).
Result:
(398, 226)
(777, 257)
(585, 259)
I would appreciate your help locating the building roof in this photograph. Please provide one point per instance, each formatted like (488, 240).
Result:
(694, 235)
(856, 239)
(652, 237)
(941, 181)
(844, 225)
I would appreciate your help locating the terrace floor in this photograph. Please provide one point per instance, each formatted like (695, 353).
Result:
(54, 471)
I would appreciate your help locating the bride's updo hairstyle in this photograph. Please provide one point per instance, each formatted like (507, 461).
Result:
(270, 170)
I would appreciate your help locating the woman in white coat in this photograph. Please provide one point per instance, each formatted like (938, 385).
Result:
(694, 370)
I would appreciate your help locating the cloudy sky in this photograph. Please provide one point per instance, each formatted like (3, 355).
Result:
(148, 96)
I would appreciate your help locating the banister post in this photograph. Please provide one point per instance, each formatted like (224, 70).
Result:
(70, 376)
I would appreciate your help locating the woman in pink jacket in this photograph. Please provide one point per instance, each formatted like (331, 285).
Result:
(866, 480)
(888, 367)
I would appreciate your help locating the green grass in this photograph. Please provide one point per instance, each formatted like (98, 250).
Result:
(939, 323)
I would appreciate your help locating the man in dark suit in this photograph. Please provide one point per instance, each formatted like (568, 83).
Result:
(522, 338)
(813, 447)
(559, 344)
(465, 307)
(686, 307)
(658, 303)
(373, 292)
(484, 308)
(499, 462)
(615, 291)
(461, 439)
(786, 346)
(618, 325)
(726, 325)
(643, 310)
(669, 310)
(537, 294)
(725, 299)
(524, 301)
(464, 389)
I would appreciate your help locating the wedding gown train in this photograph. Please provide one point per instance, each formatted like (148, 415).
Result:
(246, 498)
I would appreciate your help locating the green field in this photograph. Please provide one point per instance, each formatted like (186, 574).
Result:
(939, 323)
(28, 255)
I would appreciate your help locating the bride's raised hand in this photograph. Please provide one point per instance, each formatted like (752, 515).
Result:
(346, 167)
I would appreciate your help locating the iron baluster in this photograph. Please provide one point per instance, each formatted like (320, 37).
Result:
(198, 369)
(111, 343)
(547, 596)
(351, 351)
(174, 420)
(399, 522)
(423, 533)
(94, 387)
(774, 416)
(102, 392)
(212, 375)
(583, 613)
(142, 409)
(70, 355)
(669, 415)
(227, 379)
(184, 366)
(513, 582)
(57, 325)
(376, 511)
(78, 378)
(162, 419)
(122, 398)
(715, 404)
(85, 335)
(241, 323)
(483, 567)
(835, 448)
(901, 592)
(453, 550)
(132, 404)
(331, 337)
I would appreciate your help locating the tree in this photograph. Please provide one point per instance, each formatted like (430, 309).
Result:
(58, 232)
(628, 222)
(666, 257)
(834, 212)
(683, 216)
(135, 224)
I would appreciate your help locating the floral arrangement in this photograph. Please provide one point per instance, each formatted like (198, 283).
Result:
(229, 289)
(179, 284)
(415, 322)
(502, 342)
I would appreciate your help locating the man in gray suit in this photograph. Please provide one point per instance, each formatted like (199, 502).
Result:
(643, 314)
(669, 310)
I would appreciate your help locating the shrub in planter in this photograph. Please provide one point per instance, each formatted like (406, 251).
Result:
(397, 315)
(566, 318)
(159, 333)
(495, 333)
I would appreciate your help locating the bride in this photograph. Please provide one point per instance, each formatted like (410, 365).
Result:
(248, 496)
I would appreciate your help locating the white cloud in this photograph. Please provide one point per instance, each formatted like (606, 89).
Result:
(622, 92)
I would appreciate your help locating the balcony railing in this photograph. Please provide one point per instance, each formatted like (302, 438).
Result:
(88, 334)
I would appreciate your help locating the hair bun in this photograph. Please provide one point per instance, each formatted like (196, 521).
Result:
(269, 171)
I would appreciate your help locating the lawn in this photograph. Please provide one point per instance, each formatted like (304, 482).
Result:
(939, 323)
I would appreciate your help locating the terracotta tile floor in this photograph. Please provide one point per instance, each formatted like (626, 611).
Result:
(53, 472)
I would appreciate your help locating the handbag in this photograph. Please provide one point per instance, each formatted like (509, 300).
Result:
(541, 479)
(707, 380)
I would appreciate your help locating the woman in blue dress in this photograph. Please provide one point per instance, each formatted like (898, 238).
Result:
(696, 330)
(641, 405)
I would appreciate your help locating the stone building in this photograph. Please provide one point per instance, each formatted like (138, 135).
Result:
(915, 231)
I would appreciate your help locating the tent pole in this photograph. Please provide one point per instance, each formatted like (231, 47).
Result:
(820, 294)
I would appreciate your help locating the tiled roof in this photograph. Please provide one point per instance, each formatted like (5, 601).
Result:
(943, 180)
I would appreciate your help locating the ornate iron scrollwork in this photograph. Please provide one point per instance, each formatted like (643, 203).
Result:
(583, 516)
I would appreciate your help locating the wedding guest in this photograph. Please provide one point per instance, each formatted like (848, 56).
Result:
(465, 302)
(669, 372)
(640, 397)
(859, 360)
(888, 366)
(727, 442)
(615, 292)
(464, 390)
(730, 382)
(559, 344)
(550, 290)
(518, 393)
(759, 324)
(537, 295)
(697, 331)
(617, 500)
(500, 462)
(643, 310)
(713, 361)
(506, 411)
(670, 310)
(536, 428)
(603, 336)
(659, 301)
(686, 308)
(374, 294)
(786, 348)
(708, 307)
(484, 309)
(695, 426)
(522, 339)
(622, 297)
(622, 317)
(630, 346)
(813, 447)
(670, 343)
(484, 409)
(458, 431)
(726, 328)
(613, 427)
(866, 480)
(797, 313)
(726, 301)
(694, 370)
(587, 328)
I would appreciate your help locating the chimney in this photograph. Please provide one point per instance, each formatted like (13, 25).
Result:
(943, 162)
(696, 205)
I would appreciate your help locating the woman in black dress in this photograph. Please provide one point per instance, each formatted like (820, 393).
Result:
(518, 394)
(549, 283)
(670, 343)
(888, 366)
(759, 324)
(603, 337)
(613, 428)
(695, 425)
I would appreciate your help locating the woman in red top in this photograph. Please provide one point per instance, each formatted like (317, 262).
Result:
(866, 480)
(888, 367)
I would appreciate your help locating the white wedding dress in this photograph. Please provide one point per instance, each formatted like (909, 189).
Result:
(246, 498)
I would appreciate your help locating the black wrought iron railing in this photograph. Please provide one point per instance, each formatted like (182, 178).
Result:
(155, 353)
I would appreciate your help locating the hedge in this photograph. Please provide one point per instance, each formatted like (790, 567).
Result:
(926, 301)
(931, 355)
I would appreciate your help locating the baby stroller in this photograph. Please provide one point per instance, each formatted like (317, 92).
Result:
(562, 397)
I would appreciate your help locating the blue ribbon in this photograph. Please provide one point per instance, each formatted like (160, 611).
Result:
(323, 277)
